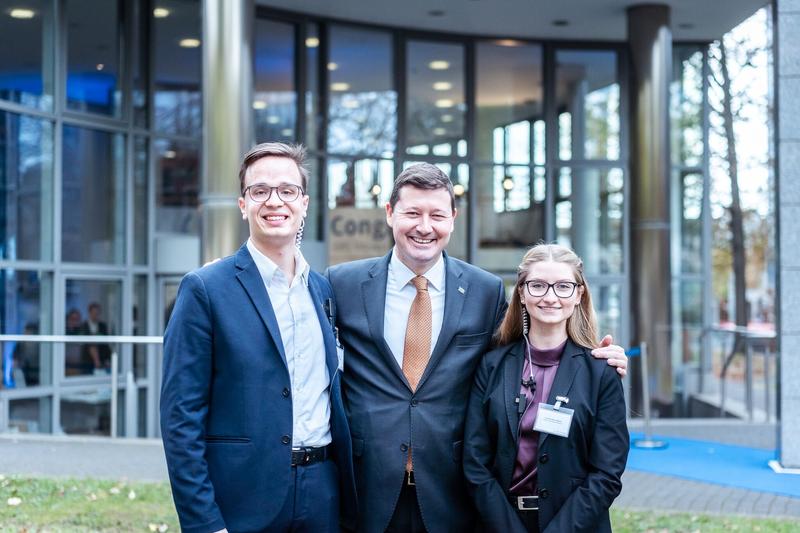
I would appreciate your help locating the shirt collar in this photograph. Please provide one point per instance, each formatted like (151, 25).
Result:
(268, 269)
(402, 274)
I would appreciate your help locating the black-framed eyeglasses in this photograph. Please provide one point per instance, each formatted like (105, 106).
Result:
(261, 192)
(563, 289)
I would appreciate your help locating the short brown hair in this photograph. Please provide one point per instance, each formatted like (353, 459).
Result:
(295, 152)
(423, 176)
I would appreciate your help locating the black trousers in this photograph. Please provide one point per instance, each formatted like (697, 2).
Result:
(407, 517)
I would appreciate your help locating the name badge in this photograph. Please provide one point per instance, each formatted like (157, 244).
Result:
(553, 419)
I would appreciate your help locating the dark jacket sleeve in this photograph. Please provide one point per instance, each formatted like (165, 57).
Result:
(489, 497)
(607, 458)
(185, 394)
(501, 307)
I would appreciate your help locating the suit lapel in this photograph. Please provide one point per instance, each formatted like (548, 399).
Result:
(455, 291)
(512, 372)
(565, 376)
(373, 292)
(331, 359)
(250, 279)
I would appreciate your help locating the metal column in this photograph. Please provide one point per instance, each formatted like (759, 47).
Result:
(227, 89)
(650, 42)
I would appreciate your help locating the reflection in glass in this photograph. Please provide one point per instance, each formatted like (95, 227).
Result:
(587, 100)
(94, 56)
(27, 295)
(26, 187)
(177, 187)
(686, 105)
(177, 68)
(139, 325)
(93, 308)
(435, 103)
(691, 222)
(140, 163)
(93, 190)
(26, 75)
(363, 183)
(139, 49)
(87, 412)
(509, 97)
(589, 216)
(312, 86)
(607, 300)
(274, 96)
(510, 214)
(31, 415)
(362, 103)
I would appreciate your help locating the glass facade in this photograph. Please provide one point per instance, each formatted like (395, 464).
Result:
(100, 175)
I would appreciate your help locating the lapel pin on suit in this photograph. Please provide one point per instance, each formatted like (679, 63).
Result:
(461, 290)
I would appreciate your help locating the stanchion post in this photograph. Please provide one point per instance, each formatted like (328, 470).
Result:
(114, 389)
(648, 441)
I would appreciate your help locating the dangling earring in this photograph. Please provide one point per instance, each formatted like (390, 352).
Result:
(298, 238)
(525, 322)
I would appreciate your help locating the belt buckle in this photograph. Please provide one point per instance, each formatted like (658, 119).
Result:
(521, 503)
(410, 478)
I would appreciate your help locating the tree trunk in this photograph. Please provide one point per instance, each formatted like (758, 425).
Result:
(735, 209)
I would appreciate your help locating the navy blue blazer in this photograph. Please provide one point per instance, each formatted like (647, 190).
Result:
(579, 475)
(226, 410)
(386, 416)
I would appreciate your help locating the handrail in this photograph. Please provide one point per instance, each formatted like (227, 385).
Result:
(95, 339)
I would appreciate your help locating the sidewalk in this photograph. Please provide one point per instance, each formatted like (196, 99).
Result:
(139, 459)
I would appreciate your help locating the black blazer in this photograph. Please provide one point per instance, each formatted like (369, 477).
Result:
(578, 476)
(385, 415)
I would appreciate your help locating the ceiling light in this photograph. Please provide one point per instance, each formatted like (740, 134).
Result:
(376, 190)
(511, 43)
(189, 43)
(170, 154)
(340, 86)
(439, 64)
(447, 118)
(259, 104)
(458, 189)
(287, 132)
(442, 86)
(439, 131)
(272, 119)
(22, 13)
(312, 42)
(333, 66)
(508, 184)
(161, 12)
(444, 103)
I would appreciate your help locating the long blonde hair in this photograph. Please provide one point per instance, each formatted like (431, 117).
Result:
(581, 326)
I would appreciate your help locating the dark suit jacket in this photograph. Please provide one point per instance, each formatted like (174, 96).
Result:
(226, 419)
(578, 476)
(386, 416)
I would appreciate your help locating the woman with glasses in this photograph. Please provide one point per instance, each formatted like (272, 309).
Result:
(546, 441)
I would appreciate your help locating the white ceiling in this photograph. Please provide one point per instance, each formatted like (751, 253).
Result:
(692, 20)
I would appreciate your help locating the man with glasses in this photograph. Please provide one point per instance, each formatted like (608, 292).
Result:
(414, 325)
(252, 419)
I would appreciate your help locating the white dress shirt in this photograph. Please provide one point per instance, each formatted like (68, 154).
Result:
(304, 346)
(400, 294)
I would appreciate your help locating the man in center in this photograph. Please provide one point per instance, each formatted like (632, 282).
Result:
(414, 325)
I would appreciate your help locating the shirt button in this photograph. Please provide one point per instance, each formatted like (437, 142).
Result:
(544, 493)
(285, 393)
(544, 458)
(414, 402)
(286, 439)
(404, 447)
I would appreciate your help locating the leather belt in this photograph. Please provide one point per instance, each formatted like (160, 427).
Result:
(525, 503)
(307, 455)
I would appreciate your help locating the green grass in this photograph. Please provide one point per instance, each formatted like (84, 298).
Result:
(66, 505)
(85, 505)
(623, 521)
